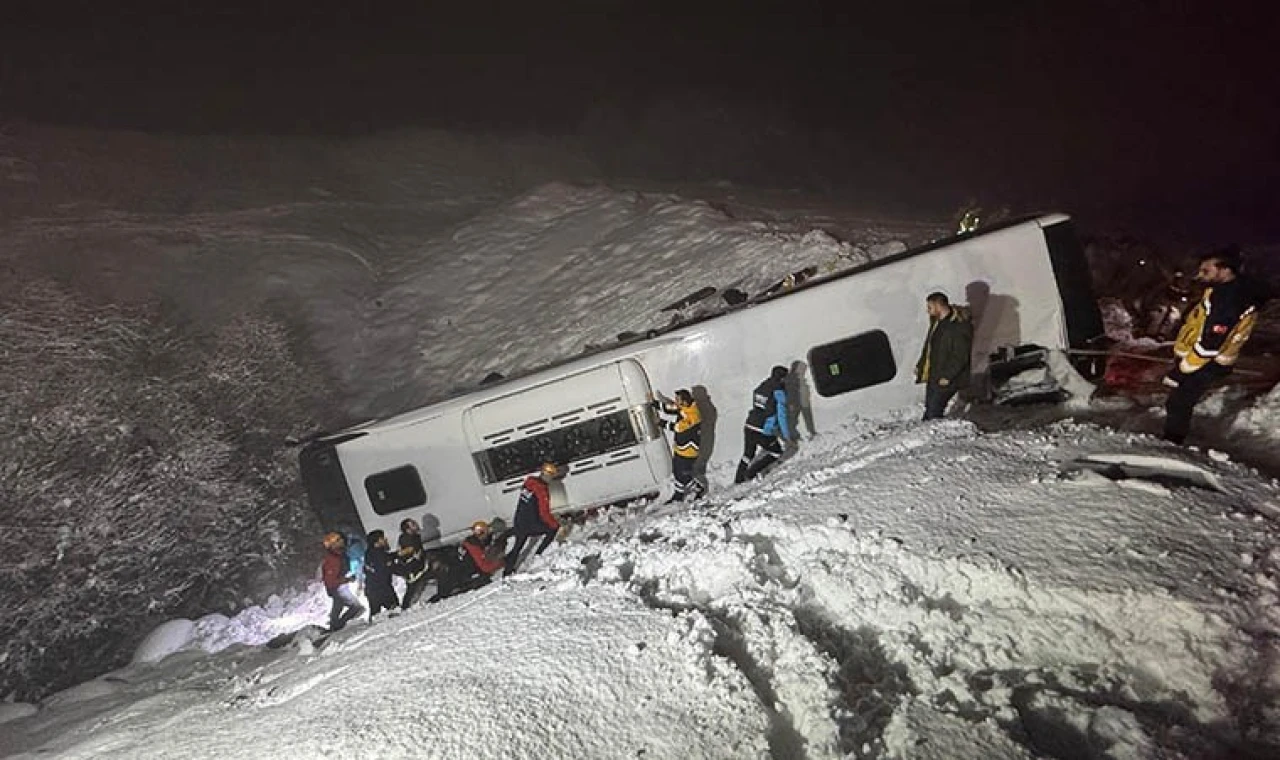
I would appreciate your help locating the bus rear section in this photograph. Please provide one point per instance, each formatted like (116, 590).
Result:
(598, 422)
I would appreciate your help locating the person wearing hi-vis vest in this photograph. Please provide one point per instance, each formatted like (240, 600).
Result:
(1210, 339)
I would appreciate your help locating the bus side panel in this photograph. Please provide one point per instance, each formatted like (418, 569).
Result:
(437, 450)
(1004, 277)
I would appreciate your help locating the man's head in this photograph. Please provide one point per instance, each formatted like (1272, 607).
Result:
(377, 539)
(480, 529)
(410, 525)
(550, 471)
(778, 373)
(684, 398)
(1218, 267)
(334, 542)
(937, 305)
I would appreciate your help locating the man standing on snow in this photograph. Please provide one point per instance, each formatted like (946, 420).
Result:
(1210, 339)
(533, 513)
(378, 561)
(768, 417)
(411, 561)
(687, 427)
(944, 359)
(337, 582)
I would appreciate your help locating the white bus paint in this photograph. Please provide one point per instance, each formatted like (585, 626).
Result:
(1005, 275)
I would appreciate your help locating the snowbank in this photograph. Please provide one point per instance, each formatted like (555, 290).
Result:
(164, 640)
(563, 268)
(1262, 418)
(912, 590)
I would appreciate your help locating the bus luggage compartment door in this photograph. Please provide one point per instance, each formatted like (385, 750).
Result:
(599, 422)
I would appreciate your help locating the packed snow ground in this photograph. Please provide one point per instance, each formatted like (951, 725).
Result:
(898, 589)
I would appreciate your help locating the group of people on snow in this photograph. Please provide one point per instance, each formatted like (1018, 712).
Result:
(1206, 349)
(470, 566)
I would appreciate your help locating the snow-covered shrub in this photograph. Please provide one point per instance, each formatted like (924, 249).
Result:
(144, 475)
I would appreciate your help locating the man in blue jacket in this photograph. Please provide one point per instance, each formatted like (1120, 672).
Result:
(767, 418)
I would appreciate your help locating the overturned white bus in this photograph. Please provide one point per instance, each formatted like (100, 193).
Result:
(857, 333)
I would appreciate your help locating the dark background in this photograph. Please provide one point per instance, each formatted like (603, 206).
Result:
(1160, 116)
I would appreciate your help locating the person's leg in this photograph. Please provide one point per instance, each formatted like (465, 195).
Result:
(354, 608)
(748, 454)
(413, 591)
(513, 557)
(335, 613)
(1181, 404)
(935, 401)
(772, 453)
(682, 473)
(548, 537)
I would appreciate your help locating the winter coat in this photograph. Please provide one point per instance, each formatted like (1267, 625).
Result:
(378, 565)
(947, 350)
(1218, 326)
(687, 427)
(411, 562)
(768, 413)
(533, 510)
(334, 571)
(481, 557)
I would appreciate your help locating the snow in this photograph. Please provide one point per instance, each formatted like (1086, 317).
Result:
(167, 638)
(1262, 418)
(894, 589)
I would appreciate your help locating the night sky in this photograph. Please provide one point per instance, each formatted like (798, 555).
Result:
(1160, 115)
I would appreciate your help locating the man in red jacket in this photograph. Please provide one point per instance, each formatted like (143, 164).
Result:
(337, 581)
(480, 556)
(533, 513)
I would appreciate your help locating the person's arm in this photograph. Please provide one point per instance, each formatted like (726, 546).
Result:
(544, 508)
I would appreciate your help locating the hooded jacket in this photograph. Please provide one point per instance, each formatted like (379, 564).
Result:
(947, 349)
(687, 427)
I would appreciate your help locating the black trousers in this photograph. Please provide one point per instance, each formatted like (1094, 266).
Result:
(936, 399)
(682, 471)
(1182, 401)
(522, 537)
(413, 591)
(381, 598)
(753, 443)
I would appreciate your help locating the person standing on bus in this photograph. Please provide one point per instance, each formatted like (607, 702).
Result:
(687, 427)
(1210, 339)
(944, 359)
(533, 513)
(767, 419)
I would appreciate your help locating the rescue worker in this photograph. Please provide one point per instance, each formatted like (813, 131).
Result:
(687, 427)
(411, 562)
(378, 563)
(480, 556)
(768, 417)
(1210, 339)
(944, 359)
(337, 583)
(533, 513)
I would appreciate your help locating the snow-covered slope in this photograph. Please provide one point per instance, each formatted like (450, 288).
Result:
(894, 590)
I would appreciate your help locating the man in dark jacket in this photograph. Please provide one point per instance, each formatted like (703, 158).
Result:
(1210, 339)
(411, 562)
(533, 513)
(944, 359)
(337, 583)
(378, 563)
(767, 419)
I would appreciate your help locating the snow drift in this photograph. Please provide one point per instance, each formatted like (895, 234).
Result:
(909, 590)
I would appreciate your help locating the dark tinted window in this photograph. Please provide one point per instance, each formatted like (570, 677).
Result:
(394, 490)
(585, 439)
(847, 365)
